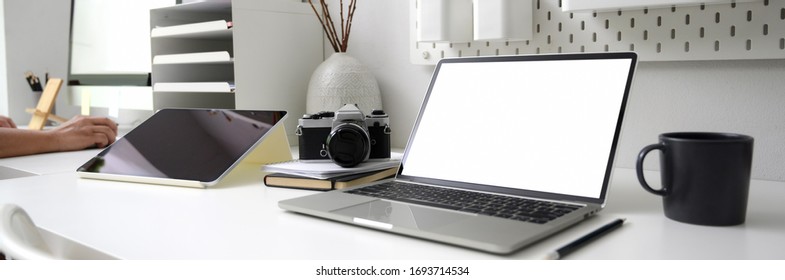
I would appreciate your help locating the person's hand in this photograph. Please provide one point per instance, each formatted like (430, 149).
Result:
(83, 132)
(7, 122)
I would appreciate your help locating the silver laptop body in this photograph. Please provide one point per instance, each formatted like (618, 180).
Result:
(538, 126)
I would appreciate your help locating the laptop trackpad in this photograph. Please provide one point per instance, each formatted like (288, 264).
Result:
(401, 215)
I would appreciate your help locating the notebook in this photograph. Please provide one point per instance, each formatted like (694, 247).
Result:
(541, 128)
(187, 147)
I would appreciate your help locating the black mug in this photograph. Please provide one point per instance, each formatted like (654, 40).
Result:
(705, 176)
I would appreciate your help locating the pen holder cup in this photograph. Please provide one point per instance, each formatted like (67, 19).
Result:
(705, 176)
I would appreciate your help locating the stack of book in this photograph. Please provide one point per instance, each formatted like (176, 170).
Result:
(327, 175)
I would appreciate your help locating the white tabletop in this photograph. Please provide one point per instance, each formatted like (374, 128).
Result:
(240, 219)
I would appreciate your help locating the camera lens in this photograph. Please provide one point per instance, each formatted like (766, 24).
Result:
(348, 144)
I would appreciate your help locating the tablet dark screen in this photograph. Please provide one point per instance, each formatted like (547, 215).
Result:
(186, 144)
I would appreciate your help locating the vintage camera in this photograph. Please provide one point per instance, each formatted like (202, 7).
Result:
(346, 136)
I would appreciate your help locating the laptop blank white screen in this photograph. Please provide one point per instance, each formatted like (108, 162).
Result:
(544, 126)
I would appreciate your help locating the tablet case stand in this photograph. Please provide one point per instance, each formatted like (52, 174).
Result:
(274, 148)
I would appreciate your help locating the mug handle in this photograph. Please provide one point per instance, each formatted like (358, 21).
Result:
(639, 169)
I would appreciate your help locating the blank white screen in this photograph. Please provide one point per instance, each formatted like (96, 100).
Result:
(112, 37)
(536, 125)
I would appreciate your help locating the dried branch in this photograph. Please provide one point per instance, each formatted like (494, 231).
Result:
(339, 43)
(331, 26)
(352, 7)
(343, 30)
(324, 26)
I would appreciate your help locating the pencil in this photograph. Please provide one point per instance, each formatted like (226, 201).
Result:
(580, 242)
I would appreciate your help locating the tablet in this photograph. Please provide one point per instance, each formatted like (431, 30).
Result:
(183, 147)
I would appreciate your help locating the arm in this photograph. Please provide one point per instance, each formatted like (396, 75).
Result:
(78, 133)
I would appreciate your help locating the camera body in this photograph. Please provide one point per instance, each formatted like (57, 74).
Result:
(346, 136)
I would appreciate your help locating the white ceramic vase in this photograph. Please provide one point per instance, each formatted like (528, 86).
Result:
(339, 80)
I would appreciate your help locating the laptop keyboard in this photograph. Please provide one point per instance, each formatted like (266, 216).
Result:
(516, 208)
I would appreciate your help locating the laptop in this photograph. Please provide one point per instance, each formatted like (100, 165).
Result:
(533, 136)
(185, 147)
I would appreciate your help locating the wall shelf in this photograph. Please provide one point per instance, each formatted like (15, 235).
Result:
(192, 48)
(218, 29)
(750, 30)
(219, 57)
(613, 5)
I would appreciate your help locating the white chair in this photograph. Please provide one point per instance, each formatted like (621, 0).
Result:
(19, 237)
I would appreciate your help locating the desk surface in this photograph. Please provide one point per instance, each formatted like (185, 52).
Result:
(240, 219)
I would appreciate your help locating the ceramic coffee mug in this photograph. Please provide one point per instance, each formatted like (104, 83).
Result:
(705, 176)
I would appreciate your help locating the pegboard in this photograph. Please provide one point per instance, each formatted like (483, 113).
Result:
(703, 32)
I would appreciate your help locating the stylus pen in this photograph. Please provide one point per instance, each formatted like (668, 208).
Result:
(569, 248)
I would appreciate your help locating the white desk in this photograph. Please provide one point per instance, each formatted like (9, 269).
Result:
(240, 219)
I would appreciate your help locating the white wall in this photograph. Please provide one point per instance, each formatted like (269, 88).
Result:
(745, 97)
(36, 39)
(3, 73)
(731, 96)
